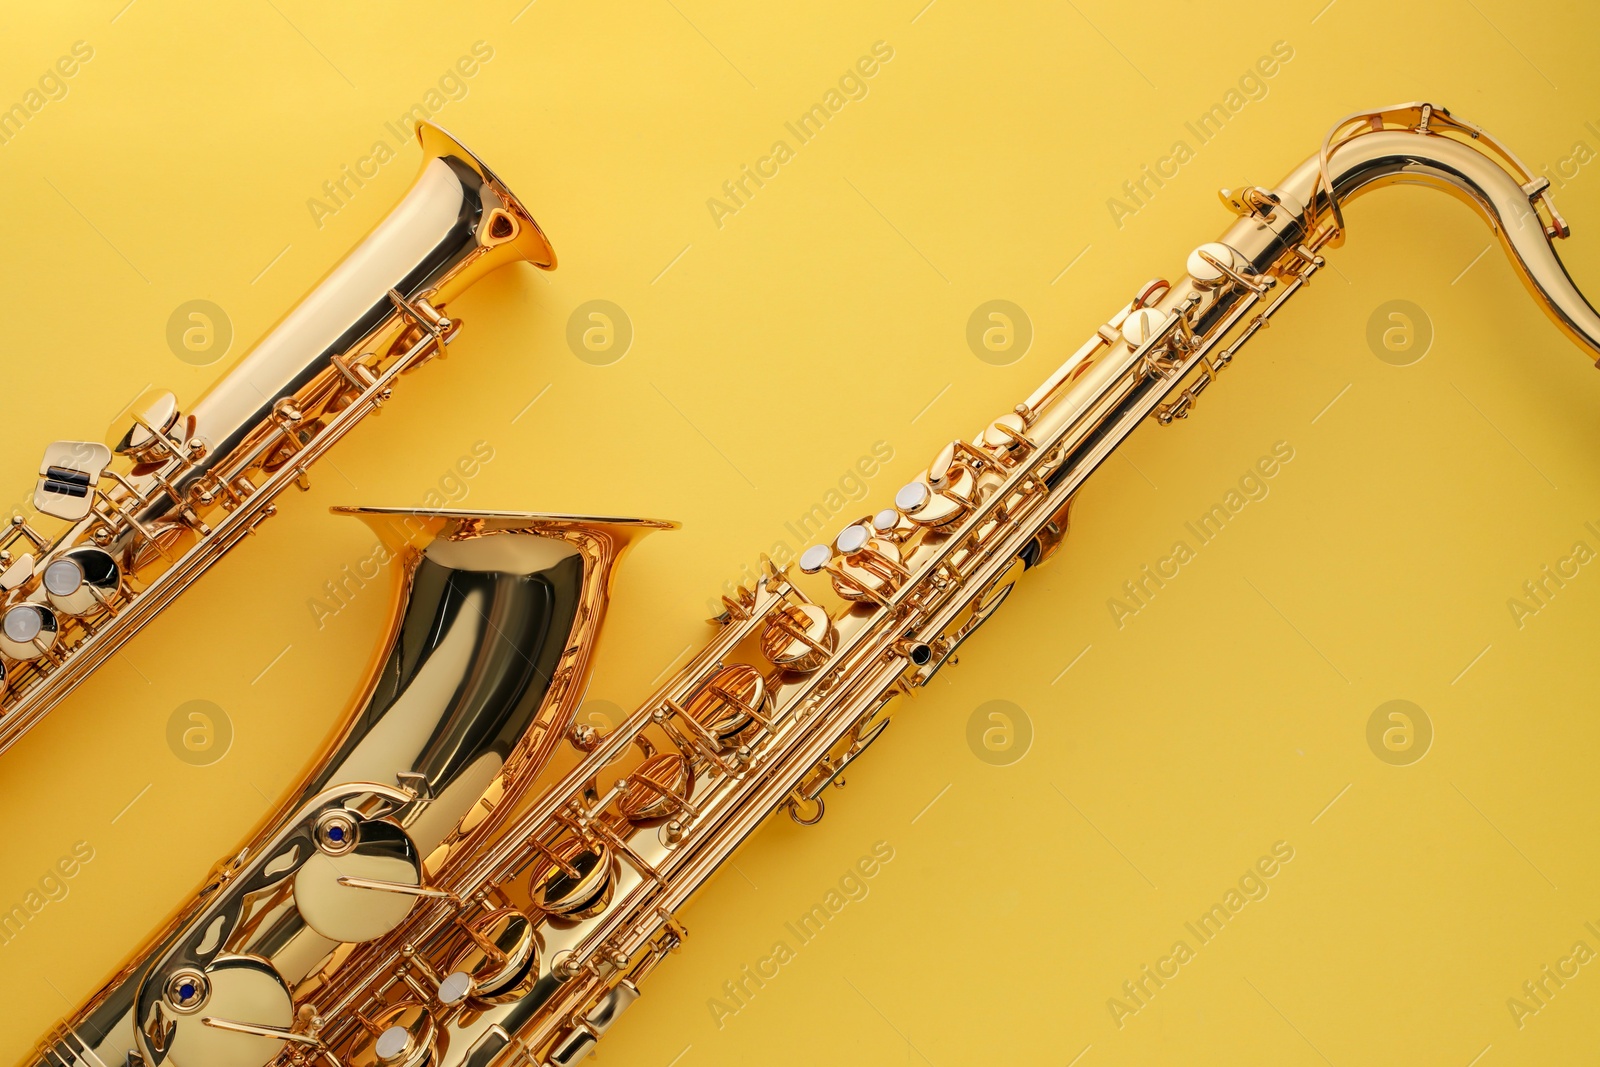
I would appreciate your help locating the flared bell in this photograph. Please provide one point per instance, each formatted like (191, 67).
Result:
(475, 683)
(487, 658)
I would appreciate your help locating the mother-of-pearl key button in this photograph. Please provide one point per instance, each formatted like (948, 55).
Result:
(911, 496)
(392, 1042)
(851, 539)
(62, 577)
(455, 987)
(815, 558)
(27, 630)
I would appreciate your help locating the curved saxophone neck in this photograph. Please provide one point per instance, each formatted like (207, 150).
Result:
(489, 912)
(1421, 144)
(1426, 120)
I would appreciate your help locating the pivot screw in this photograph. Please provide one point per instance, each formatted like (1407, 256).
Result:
(187, 991)
(336, 832)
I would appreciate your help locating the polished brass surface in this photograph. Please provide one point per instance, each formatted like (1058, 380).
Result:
(177, 489)
(657, 788)
(621, 830)
(732, 704)
(500, 957)
(478, 678)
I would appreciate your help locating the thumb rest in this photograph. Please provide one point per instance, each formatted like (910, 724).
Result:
(147, 512)
(493, 896)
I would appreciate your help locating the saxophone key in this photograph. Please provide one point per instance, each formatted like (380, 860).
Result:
(912, 496)
(407, 1037)
(82, 581)
(361, 882)
(798, 637)
(28, 631)
(658, 787)
(890, 525)
(236, 1012)
(953, 460)
(815, 558)
(68, 475)
(1142, 325)
(499, 964)
(928, 504)
(1252, 201)
(578, 1043)
(867, 568)
(575, 880)
(1006, 438)
(694, 737)
(1209, 265)
(148, 441)
(15, 571)
(734, 706)
(1214, 265)
(454, 988)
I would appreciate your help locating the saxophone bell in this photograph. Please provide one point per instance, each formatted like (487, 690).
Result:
(493, 628)
(175, 487)
(524, 899)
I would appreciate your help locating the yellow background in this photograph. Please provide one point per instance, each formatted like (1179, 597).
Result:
(769, 355)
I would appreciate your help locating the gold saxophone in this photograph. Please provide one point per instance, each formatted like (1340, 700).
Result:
(142, 515)
(471, 880)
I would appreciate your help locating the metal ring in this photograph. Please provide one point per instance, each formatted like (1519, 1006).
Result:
(794, 812)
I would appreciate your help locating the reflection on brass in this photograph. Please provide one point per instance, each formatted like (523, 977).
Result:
(553, 898)
(134, 524)
(500, 956)
(658, 787)
(575, 881)
(731, 704)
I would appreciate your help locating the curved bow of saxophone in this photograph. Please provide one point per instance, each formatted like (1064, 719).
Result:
(1421, 144)
(456, 888)
(489, 647)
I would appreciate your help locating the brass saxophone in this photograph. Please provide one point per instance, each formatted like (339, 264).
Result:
(141, 516)
(471, 880)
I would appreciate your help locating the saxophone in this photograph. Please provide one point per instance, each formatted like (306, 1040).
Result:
(145, 513)
(473, 880)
